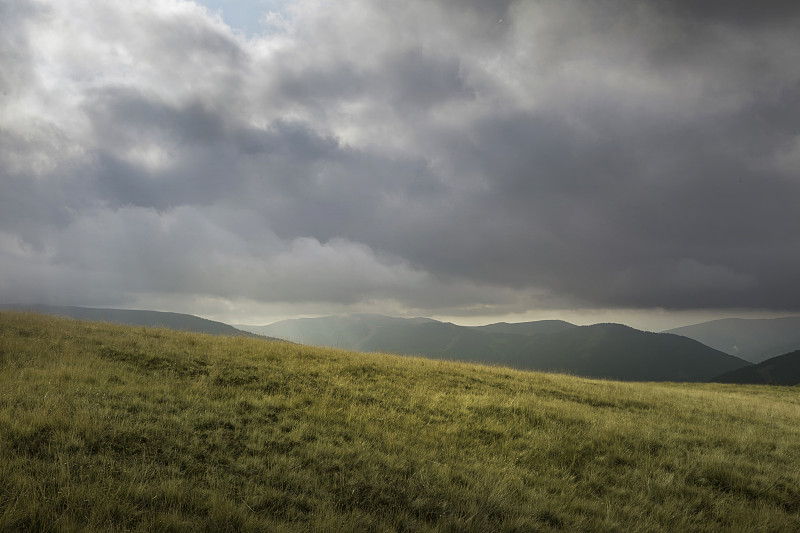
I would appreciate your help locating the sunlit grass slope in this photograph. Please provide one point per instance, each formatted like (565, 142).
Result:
(118, 428)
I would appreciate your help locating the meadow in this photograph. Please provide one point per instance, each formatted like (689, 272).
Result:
(117, 428)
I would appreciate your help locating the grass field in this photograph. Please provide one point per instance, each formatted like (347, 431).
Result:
(114, 428)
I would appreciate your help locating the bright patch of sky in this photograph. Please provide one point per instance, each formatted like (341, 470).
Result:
(250, 17)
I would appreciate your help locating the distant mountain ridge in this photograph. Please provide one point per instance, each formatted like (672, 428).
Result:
(378, 333)
(132, 317)
(781, 370)
(611, 351)
(752, 339)
(616, 351)
(527, 328)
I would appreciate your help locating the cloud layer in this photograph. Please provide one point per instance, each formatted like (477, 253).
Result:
(436, 157)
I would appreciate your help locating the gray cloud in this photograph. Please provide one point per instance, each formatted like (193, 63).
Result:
(424, 156)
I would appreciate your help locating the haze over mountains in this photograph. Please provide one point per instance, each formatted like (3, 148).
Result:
(754, 340)
(609, 351)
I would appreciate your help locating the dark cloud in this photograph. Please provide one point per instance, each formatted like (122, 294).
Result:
(735, 12)
(416, 79)
(124, 115)
(429, 156)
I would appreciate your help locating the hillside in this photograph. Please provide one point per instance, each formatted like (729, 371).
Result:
(603, 350)
(619, 352)
(117, 428)
(130, 317)
(781, 370)
(753, 339)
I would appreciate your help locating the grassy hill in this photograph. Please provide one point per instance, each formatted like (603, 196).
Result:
(116, 428)
(610, 351)
(136, 317)
(781, 370)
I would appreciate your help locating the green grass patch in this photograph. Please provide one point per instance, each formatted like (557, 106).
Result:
(114, 428)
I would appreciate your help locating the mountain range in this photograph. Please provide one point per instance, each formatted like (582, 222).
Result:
(701, 352)
(610, 351)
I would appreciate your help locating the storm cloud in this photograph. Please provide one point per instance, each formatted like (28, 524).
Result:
(427, 157)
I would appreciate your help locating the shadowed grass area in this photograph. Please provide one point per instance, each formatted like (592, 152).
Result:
(107, 427)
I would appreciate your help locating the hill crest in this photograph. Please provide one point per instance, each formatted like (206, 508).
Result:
(781, 370)
(136, 317)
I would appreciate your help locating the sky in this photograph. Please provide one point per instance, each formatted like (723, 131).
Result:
(474, 160)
